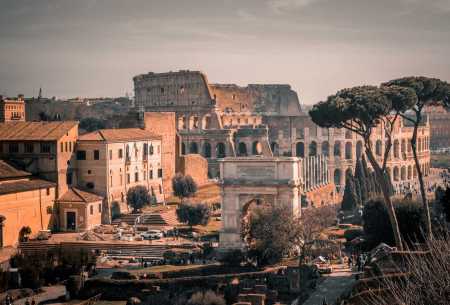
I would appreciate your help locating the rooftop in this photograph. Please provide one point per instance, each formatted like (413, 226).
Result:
(9, 171)
(119, 135)
(24, 185)
(78, 196)
(35, 131)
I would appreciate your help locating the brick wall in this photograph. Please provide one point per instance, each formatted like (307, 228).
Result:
(163, 124)
(194, 165)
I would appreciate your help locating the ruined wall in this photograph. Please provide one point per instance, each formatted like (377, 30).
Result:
(323, 195)
(267, 99)
(163, 124)
(194, 165)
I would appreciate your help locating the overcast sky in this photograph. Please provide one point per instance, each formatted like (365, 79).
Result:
(95, 47)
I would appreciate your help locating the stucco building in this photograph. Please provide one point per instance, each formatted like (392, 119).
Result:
(111, 161)
(12, 110)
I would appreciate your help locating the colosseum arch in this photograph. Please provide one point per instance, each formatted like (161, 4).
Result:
(313, 148)
(409, 172)
(326, 148)
(181, 122)
(221, 150)
(337, 149)
(183, 148)
(206, 122)
(403, 147)
(242, 149)
(207, 150)
(359, 149)
(337, 177)
(193, 148)
(403, 173)
(256, 148)
(396, 149)
(193, 122)
(396, 173)
(348, 150)
(274, 148)
(378, 148)
(300, 149)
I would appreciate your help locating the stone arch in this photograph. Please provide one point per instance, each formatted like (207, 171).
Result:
(193, 122)
(409, 172)
(246, 214)
(300, 149)
(326, 148)
(206, 122)
(414, 172)
(313, 148)
(359, 149)
(337, 178)
(337, 149)
(349, 171)
(403, 147)
(242, 149)
(274, 148)
(378, 148)
(207, 150)
(396, 149)
(396, 173)
(403, 173)
(193, 148)
(220, 150)
(348, 150)
(256, 148)
(182, 122)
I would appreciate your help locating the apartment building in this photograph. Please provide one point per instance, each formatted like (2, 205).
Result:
(111, 161)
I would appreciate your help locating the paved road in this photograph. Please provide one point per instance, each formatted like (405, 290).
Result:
(332, 287)
(50, 293)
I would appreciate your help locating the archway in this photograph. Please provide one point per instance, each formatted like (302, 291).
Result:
(220, 150)
(337, 149)
(207, 150)
(206, 124)
(378, 148)
(274, 147)
(403, 173)
(348, 150)
(193, 149)
(183, 148)
(193, 122)
(256, 148)
(182, 122)
(396, 149)
(359, 149)
(326, 148)
(396, 173)
(409, 172)
(300, 149)
(337, 177)
(313, 148)
(242, 149)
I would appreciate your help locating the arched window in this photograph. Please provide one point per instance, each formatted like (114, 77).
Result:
(359, 148)
(313, 148)
(256, 148)
(403, 147)
(403, 173)
(396, 149)
(337, 149)
(300, 149)
(207, 150)
(396, 173)
(378, 148)
(193, 122)
(326, 148)
(348, 150)
(409, 172)
(182, 122)
(349, 171)
(337, 177)
(220, 150)
(242, 149)
(206, 122)
(193, 148)
(274, 147)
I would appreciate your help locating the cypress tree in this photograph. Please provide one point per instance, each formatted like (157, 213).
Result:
(361, 178)
(350, 199)
(358, 191)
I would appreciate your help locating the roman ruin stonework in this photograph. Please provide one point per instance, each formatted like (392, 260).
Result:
(227, 120)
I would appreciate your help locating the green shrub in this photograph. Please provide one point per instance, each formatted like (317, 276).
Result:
(351, 234)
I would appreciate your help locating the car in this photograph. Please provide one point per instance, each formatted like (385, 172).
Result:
(152, 234)
(44, 235)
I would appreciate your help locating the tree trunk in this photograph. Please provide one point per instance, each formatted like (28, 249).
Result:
(423, 194)
(387, 199)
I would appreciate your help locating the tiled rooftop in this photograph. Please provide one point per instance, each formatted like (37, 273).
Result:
(24, 185)
(119, 135)
(35, 131)
(77, 195)
(9, 171)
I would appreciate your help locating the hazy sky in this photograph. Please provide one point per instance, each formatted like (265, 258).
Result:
(95, 47)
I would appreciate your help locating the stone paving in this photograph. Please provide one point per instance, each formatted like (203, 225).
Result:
(332, 287)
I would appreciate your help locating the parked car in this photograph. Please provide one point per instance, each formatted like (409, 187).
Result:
(152, 234)
(44, 235)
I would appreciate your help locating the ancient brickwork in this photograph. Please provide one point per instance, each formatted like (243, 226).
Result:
(194, 165)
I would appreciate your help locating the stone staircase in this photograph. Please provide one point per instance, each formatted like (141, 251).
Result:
(154, 219)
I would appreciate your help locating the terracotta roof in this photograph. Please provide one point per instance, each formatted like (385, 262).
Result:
(119, 135)
(9, 171)
(77, 195)
(35, 131)
(24, 185)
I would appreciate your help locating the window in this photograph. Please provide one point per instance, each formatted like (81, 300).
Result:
(110, 154)
(144, 175)
(29, 148)
(90, 185)
(70, 146)
(13, 147)
(45, 148)
(91, 209)
(120, 153)
(128, 178)
(62, 147)
(150, 174)
(99, 207)
(160, 189)
(96, 155)
(160, 173)
(150, 150)
(111, 181)
(47, 191)
(49, 210)
(89, 172)
(81, 155)
(136, 177)
(66, 146)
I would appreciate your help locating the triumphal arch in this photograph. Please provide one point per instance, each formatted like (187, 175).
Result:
(251, 181)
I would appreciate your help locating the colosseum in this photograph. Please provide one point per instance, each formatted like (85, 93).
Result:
(220, 120)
